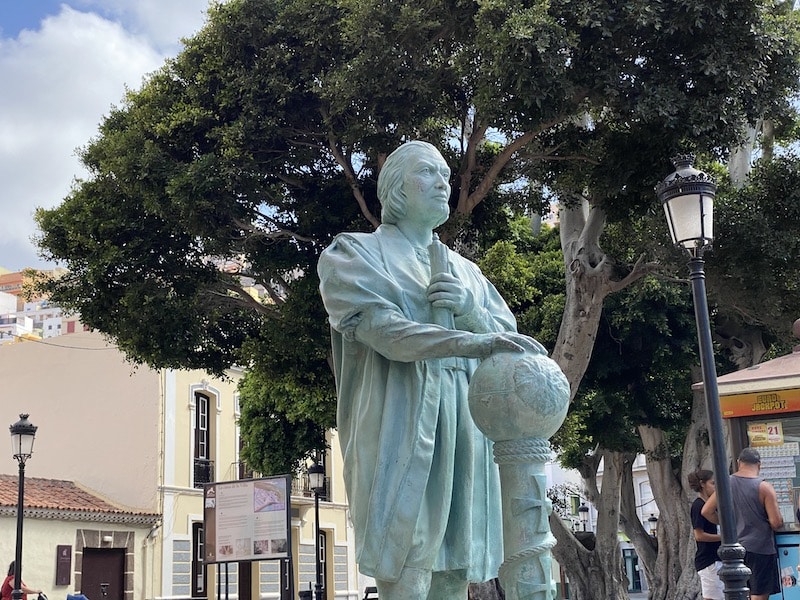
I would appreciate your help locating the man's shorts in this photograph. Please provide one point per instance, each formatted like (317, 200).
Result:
(710, 582)
(765, 578)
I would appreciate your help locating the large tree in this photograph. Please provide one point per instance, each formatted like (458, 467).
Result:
(234, 164)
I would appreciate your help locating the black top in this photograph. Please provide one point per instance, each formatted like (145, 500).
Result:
(706, 551)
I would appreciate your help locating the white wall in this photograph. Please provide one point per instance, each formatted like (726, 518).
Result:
(40, 538)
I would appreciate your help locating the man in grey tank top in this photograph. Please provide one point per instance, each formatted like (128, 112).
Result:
(757, 517)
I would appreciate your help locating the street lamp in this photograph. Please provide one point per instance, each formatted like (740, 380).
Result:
(688, 199)
(316, 481)
(583, 515)
(653, 521)
(23, 432)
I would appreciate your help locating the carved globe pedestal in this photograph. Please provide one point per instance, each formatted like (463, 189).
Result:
(519, 400)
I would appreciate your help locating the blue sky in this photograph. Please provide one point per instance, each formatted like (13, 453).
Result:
(62, 66)
(24, 14)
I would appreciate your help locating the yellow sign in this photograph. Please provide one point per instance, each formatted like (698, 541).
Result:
(760, 403)
(765, 434)
(757, 434)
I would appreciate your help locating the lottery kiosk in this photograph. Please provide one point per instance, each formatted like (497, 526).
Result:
(762, 407)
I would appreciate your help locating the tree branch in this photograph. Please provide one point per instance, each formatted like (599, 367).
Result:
(350, 175)
(468, 165)
(235, 294)
(499, 164)
(639, 270)
(279, 233)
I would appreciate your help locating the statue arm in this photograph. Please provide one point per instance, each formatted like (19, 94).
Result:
(392, 335)
(363, 304)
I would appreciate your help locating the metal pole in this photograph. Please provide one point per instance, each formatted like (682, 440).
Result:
(734, 574)
(319, 592)
(16, 594)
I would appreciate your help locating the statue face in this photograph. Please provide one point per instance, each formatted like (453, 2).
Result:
(426, 185)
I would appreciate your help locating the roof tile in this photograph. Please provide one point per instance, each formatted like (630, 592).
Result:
(55, 494)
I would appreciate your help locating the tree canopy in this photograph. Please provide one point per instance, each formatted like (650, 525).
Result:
(236, 162)
(754, 271)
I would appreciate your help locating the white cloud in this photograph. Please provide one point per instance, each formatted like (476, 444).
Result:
(165, 23)
(58, 82)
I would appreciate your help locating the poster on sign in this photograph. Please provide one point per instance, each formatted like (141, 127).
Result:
(247, 519)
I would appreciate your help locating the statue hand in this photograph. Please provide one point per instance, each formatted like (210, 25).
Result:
(515, 342)
(446, 291)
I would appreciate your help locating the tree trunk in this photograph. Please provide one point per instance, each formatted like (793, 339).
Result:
(696, 453)
(740, 158)
(586, 279)
(590, 277)
(599, 573)
(744, 344)
(767, 140)
(670, 573)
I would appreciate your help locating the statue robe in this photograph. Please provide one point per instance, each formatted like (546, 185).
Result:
(413, 459)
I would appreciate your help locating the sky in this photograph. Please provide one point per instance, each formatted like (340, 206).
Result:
(63, 66)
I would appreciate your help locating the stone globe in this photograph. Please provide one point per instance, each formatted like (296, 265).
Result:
(517, 395)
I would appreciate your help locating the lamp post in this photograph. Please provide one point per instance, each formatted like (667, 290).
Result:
(23, 432)
(583, 515)
(316, 481)
(653, 522)
(688, 199)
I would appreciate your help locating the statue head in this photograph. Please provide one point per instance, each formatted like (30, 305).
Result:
(390, 179)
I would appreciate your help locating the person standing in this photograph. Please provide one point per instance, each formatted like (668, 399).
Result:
(755, 506)
(423, 489)
(8, 586)
(706, 560)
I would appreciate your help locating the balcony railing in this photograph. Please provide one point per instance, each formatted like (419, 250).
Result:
(203, 471)
(300, 487)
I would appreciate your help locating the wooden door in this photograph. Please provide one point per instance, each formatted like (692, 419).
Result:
(103, 573)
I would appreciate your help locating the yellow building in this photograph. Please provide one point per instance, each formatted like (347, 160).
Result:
(139, 444)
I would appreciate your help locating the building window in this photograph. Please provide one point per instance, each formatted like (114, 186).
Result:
(203, 465)
(198, 567)
(323, 553)
(201, 437)
(286, 579)
(574, 505)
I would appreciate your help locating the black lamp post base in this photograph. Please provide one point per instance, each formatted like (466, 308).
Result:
(734, 573)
